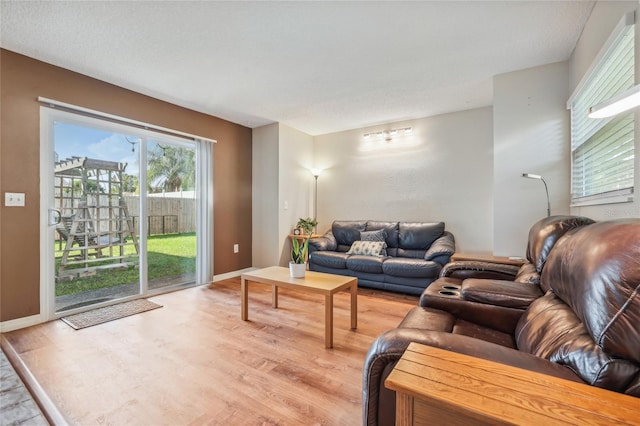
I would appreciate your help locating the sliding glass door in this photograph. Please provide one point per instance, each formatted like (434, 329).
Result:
(124, 212)
(171, 214)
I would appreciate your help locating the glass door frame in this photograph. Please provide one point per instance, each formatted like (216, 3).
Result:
(204, 205)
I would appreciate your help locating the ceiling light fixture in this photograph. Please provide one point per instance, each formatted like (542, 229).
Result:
(618, 104)
(389, 134)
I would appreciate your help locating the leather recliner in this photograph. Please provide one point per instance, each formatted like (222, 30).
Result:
(584, 328)
(465, 282)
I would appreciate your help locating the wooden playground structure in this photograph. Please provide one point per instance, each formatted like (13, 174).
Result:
(95, 229)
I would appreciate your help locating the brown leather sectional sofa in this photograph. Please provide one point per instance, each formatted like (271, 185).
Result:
(583, 325)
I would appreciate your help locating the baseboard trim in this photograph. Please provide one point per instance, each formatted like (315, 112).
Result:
(19, 323)
(232, 274)
(41, 398)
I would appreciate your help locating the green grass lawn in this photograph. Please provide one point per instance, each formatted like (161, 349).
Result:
(168, 256)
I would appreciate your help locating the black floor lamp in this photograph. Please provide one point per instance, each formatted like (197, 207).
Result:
(532, 176)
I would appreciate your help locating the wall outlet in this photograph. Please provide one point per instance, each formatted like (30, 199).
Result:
(236, 248)
(14, 199)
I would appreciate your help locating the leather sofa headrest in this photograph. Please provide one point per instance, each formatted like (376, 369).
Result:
(596, 271)
(544, 234)
(347, 231)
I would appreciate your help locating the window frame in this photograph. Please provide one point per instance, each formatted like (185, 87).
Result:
(610, 196)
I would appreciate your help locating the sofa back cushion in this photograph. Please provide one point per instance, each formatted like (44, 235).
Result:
(551, 330)
(415, 238)
(391, 234)
(544, 234)
(346, 232)
(596, 271)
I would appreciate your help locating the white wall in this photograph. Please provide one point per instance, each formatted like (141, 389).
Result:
(295, 189)
(264, 187)
(531, 135)
(443, 172)
(602, 21)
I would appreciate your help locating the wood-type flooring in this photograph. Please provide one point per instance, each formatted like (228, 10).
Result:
(194, 361)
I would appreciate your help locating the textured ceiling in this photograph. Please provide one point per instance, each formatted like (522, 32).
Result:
(319, 67)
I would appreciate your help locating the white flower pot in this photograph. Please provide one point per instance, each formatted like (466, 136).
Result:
(297, 270)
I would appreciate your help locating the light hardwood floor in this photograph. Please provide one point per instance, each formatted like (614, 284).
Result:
(194, 361)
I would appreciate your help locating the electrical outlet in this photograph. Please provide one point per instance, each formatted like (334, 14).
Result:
(14, 199)
(236, 248)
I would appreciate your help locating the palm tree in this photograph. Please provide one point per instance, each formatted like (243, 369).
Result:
(171, 169)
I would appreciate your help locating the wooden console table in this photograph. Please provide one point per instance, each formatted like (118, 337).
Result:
(435, 386)
(457, 257)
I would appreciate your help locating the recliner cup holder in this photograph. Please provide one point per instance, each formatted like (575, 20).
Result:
(451, 287)
(448, 293)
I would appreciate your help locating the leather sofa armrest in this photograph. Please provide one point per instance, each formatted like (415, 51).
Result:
(475, 269)
(442, 249)
(378, 402)
(325, 243)
(500, 293)
(445, 294)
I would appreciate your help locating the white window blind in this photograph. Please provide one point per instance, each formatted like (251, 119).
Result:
(603, 149)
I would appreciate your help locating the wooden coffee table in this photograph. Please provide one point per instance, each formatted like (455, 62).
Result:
(313, 282)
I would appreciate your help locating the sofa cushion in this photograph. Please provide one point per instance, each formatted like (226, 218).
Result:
(544, 234)
(411, 268)
(329, 259)
(601, 263)
(500, 292)
(370, 264)
(551, 330)
(367, 248)
(487, 334)
(527, 274)
(418, 235)
(428, 319)
(347, 231)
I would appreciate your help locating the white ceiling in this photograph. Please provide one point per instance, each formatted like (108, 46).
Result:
(319, 67)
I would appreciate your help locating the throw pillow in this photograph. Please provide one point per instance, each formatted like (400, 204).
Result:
(378, 235)
(367, 248)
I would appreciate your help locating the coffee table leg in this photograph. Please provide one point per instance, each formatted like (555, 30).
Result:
(274, 296)
(244, 291)
(328, 321)
(354, 305)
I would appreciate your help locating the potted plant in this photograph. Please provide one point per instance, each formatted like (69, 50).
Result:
(306, 225)
(298, 263)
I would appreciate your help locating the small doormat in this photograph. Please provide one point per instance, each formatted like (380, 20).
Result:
(109, 313)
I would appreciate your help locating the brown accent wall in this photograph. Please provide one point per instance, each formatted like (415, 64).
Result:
(22, 80)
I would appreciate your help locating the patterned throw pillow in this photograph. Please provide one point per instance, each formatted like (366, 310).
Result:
(373, 235)
(378, 235)
(367, 248)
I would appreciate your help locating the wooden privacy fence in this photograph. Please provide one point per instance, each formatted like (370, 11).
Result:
(166, 215)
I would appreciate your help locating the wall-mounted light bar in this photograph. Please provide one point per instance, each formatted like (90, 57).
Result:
(618, 104)
(388, 135)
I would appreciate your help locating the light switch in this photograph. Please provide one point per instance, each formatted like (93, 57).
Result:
(14, 199)
(286, 205)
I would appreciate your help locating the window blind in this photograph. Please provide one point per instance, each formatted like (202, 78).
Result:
(603, 149)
